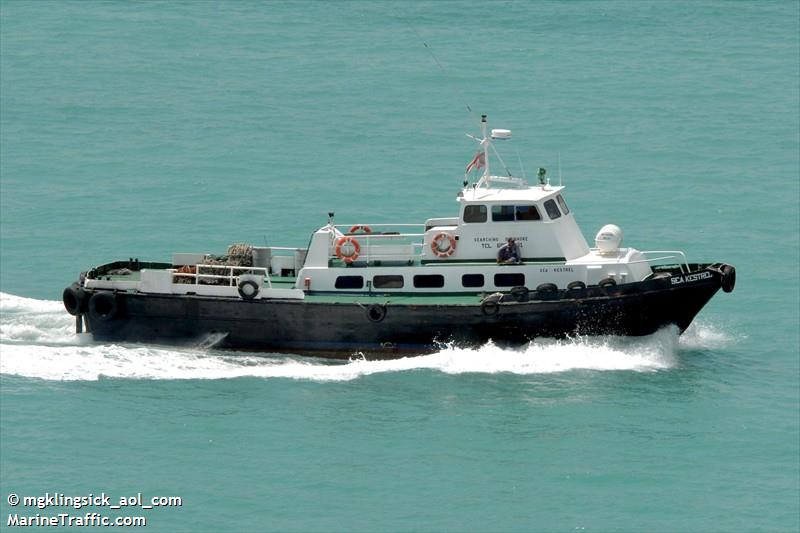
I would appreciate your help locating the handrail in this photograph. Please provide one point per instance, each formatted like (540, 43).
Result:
(675, 253)
(230, 276)
(379, 225)
(383, 235)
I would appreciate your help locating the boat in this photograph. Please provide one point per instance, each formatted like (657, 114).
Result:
(390, 290)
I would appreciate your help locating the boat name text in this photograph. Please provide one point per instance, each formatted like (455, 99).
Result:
(677, 280)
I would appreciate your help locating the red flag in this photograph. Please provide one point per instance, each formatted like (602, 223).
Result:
(479, 161)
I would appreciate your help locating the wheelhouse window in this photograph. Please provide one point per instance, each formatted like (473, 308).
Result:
(511, 213)
(349, 282)
(472, 280)
(527, 212)
(552, 209)
(502, 213)
(475, 213)
(563, 204)
(509, 280)
(387, 282)
(429, 281)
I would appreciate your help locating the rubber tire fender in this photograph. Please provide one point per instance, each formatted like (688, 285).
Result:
(576, 285)
(376, 313)
(103, 306)
(490, 307)
(547, 287)
(243, 292)
(728, 278)
(607, 282)
(520, 294)
(74, 300)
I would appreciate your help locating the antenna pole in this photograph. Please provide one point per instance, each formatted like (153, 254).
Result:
(559, 169)
(485, 143)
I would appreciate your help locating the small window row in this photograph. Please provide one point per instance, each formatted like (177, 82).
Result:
(515, 213)
(429, 281)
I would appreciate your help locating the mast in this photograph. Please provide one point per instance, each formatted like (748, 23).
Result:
(485, 144)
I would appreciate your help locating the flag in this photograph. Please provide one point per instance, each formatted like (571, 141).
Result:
(479, 161)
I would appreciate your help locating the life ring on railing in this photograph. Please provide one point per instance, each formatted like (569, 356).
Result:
(347, 249)
(443, 245)
(360, 228)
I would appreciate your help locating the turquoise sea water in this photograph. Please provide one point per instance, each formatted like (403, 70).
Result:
(140, 129)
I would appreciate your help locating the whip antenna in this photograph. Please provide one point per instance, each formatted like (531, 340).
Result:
(453, 85)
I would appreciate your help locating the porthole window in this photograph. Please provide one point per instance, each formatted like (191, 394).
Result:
(472, 280)
(509, 280)
(475, 213)
(387, 282)
(349, 282)
(552, 209)
(430, 281)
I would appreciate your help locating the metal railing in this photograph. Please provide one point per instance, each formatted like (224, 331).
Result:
(377, 246)
(674, 254)
(230, 275)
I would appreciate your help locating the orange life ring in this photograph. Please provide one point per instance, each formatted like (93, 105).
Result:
(360, 227)
(436, 245)
(347, 258)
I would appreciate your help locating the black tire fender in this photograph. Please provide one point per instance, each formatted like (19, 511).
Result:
(607, 282)
(103, 306)
(547, 287)
(74, 300)
(728, 278)
(376, 312)
(248, 289)
(490, 307)
(520, 294)
(576, 286)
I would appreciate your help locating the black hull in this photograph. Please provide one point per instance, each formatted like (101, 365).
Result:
(388, 330)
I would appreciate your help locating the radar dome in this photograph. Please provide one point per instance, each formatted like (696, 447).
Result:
(609, 238)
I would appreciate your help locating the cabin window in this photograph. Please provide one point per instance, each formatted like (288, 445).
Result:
(509, 280)
(552, 209)
(475, 213)
(510, 213)
(472, 280)
(431, 281)
(563, 204)
(349, 282)
(527, 212)
(387, 282)
(502, 213)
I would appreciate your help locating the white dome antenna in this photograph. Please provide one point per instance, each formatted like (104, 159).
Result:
(608, 239)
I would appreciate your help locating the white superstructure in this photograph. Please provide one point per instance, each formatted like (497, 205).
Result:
(451, 255)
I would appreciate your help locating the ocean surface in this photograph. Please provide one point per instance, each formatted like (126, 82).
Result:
(137, 129)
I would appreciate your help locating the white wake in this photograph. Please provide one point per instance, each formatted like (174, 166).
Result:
(38, 340)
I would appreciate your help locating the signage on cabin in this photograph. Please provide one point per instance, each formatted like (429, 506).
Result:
(678, 280)
(486, 242)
